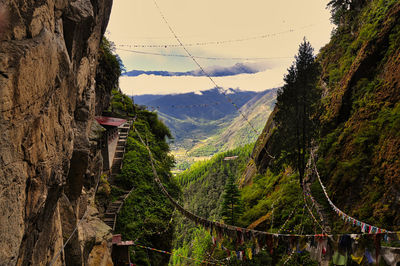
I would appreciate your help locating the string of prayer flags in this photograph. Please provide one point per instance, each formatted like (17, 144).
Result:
(365, 228)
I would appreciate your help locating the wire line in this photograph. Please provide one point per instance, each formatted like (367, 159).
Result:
(205, 57)
(258, 37)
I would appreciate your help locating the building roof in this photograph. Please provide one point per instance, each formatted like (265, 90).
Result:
(230, 158)
(110, 121)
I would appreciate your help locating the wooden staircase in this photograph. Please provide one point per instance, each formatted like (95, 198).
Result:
(110, 216)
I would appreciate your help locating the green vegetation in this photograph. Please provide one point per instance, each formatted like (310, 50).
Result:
(231, 207)
(146, 214)
(238, 132)
(272, 196)
(121, 104)
(203, 185)
(356, 147)
(109, 67)
(296, 105)
(108, 71)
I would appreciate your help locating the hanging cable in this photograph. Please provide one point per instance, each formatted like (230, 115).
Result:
(208, 58)
(75, 229)
(258, 37)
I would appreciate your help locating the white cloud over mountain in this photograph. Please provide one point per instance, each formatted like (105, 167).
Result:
(154, 84)
(213, 71)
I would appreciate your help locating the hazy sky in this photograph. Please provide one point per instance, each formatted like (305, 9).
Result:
(138, 22)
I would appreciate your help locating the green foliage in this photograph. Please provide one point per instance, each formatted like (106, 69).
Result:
(296, 105)
(146, 214)
(365, 141)
(200, 245)
(343, 11)
(275, 196)
(121, 104)
(374, 122)
(108, 70)
(104, 186)
(203, 185)
(199, 170)
(231, 207)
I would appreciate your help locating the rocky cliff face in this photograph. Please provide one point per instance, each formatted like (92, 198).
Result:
(48, 58)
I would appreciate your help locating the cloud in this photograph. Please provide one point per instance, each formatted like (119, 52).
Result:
(152, 84)
(213, 71)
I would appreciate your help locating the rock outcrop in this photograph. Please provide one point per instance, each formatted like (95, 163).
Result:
(48, 58)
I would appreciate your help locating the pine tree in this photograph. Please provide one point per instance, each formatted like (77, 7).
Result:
(231, 203)
(296, 103)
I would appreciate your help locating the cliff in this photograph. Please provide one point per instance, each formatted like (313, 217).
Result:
(49, 163)
(359, 143)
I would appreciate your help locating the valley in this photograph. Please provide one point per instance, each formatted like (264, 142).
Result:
(203, 124)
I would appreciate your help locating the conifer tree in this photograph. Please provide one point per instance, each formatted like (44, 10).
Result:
(231, 203)
(297, 101)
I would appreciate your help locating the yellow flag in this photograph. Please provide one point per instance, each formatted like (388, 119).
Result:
(250, 253)
(357, 259)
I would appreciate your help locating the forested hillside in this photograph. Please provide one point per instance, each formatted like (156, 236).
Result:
(203, 185)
